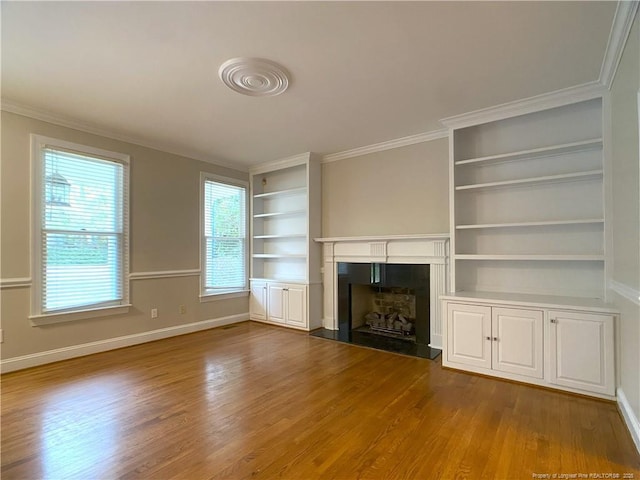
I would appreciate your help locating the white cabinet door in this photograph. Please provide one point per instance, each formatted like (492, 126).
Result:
(582, 351)
(258, 301)
(469, 334)
(296, 305)
(517, 337)
(275, 303)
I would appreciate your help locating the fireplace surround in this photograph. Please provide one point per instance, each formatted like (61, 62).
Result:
(428, 252)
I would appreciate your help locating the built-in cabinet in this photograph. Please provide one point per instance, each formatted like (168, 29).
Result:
(528, 262)
(287, 304)
(285, 261)
(494, 338)
(581, 351)
(570, 347)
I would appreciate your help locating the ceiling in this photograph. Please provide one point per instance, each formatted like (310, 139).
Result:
(361, 72)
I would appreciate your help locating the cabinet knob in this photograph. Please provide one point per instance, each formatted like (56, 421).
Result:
(553, 320)
(489, 338)
(495, 339)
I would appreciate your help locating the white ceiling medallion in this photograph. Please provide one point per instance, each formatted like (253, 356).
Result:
(256, 77)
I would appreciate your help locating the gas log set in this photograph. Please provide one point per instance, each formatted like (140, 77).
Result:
(391, 323)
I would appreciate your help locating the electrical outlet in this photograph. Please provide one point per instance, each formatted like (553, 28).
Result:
(154, 313)
(182, 309)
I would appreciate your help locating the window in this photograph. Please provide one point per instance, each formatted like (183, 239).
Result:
(224, 235)
(80, 229)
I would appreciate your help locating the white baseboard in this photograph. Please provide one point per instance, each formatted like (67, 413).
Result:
(629, 417)
(41, 358)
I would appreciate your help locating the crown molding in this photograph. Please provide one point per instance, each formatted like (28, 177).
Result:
(620, 30)
(388, 145)
(10, 106)
(558, 98)
(287, 162)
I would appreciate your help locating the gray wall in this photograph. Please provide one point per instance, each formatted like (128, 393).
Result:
(399, 191)
(165, 231)
(626, 213)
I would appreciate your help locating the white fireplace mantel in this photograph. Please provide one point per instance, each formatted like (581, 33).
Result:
(431, 249)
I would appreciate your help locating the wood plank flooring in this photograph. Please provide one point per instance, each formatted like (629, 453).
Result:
(255, 401)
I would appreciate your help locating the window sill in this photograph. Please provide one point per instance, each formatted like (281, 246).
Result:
(51, 318)
(224, 295)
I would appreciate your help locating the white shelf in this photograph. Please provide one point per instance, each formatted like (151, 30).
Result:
(532, 300)
(544, 258)
(281, 193)
(565, 177)
(279, 255)
(279, 214)
(284, 236)
(587, 221)
(553, 150)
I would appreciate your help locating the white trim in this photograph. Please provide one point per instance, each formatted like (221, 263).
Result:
(214, 297)
(74, 315)
(625, 291)
(388, 145)
(204, 177)
(558, 98)
(164, 274)
(49, 356)
(22, 282)
(426, 236)
(11, 106)
(620, 29)
(293, 161)
(38, 143)
(629, 417)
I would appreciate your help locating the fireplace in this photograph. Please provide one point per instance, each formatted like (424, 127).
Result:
(377, 264)
(385, 306)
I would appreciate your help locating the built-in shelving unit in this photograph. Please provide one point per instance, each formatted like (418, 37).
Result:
(285, 260)
(527, 278)
(527, 213)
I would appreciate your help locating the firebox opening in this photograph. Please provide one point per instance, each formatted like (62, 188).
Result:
(386, 311)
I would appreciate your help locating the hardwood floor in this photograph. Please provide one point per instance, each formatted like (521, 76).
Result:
(255, 401)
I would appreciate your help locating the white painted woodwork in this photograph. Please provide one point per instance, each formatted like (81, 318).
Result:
(527, 212)
(431, 249)
(517, 341)
(296, 303)
(559, 342)
(276, 304)
(502, 339)
(581, 351)
(258, 301)
(285, 217)
(469, 341)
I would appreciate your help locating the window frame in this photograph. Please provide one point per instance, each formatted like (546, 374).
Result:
(208, 295)
(38, 316)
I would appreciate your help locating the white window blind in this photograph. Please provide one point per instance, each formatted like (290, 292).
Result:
(83, 205)
(224, 231)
